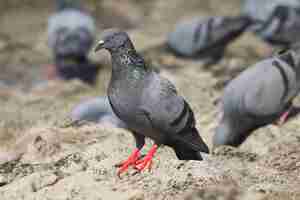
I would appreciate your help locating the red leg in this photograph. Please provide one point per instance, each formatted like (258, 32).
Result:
(147, 160)
(130, 161)
(283, 118)
(50, 72)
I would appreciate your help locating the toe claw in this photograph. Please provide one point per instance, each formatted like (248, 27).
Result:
(118, 165)
(136, 172)
(140, 167)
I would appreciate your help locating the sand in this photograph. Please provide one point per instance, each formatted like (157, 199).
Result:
(42, 158)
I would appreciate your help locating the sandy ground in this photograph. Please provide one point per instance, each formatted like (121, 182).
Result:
(42, 158)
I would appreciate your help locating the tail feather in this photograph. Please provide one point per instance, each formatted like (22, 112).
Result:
(192, 140)
(188, 145)
(184, 153)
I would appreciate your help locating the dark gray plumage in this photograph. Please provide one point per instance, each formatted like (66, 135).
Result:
(67, 4)
(68, 68)
(148, 103)
(96, 110)
(258, 96)
(206, 38)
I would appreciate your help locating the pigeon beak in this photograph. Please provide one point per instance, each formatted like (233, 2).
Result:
(99, 46)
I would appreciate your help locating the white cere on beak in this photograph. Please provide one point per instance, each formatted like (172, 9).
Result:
(99, 45)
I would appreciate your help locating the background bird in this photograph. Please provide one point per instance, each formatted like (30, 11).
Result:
(148, 104)
(282, 27)
(96, 110)
(258, 96)
(275, 21)
(206, 38)
(71, 33)
(261, 10)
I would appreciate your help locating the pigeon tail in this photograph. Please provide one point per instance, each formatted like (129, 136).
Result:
(193, 140)
(189, 146)
(183, 153)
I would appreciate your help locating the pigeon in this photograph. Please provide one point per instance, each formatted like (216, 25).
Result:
(97, 110)
(259, 96)
(148, 104)
(261, 10)
(71, 33)
(206, 38)
(274, 21)
(282, 28)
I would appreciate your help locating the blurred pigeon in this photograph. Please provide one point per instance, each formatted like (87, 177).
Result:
(261, 10)
(275, 21)
(282, 27)
(71, 33)
(258, 96)
(148, 104)
(96, 110)
(206, 38)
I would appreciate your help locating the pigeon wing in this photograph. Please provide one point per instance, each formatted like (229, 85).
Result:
(170, 114)
(265, 97)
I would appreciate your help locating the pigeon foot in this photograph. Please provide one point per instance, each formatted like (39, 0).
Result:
(132, 159)
(146, 161)
(283, 118)
(50, 72)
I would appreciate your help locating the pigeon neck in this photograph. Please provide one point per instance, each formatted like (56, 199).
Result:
(70, 60)
(128, 62)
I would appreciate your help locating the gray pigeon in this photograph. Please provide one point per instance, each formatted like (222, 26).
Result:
(96, 110)
(259, 96)
(261, 10)
(275, 21)
(206, 38)
(282, 27)
(148, 104)
(71, 33)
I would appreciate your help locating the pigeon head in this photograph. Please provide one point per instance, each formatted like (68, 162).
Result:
(114, 40)
(222, 135)
(231, 134)
(281, 12)
(72, 42)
